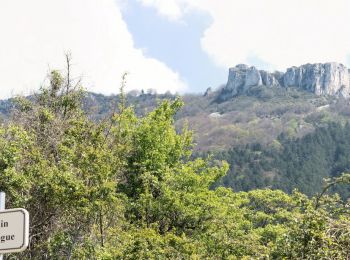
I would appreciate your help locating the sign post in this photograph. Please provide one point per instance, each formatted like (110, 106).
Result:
(14, 229)
(2, 207)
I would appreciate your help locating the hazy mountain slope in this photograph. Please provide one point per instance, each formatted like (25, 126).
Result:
(260, 115)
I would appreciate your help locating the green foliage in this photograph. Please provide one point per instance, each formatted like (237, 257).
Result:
(292, 163)
(127, 187)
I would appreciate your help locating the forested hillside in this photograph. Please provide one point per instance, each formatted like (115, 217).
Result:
(272, 137)
(126, 187)
(301, 163)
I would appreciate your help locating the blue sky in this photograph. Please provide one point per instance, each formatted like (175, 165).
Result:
(175, 43)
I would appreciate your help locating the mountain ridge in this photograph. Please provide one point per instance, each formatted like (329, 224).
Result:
(330, 78)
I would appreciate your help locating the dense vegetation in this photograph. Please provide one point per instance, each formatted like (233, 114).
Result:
(125, 187)
(259, 116)
(292, 163)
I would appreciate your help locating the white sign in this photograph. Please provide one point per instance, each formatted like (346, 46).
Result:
(14, 230)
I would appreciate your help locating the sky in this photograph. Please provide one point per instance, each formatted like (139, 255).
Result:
(176, 45)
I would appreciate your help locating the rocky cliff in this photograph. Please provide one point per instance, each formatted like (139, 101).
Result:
(320, 79)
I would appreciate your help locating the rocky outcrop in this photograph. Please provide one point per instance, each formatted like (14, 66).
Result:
(320, 79)
(208, 92)
(269, 79)
(242, 77)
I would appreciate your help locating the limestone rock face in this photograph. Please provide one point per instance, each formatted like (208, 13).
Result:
(269, 79)
(242, 77)
(236, 79)
(252, 78)
(320, 79)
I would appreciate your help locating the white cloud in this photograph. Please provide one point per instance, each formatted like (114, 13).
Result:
(282, 33)
(170, 8)
(36, 33)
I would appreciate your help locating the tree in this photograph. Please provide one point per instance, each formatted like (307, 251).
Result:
(128, 187)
